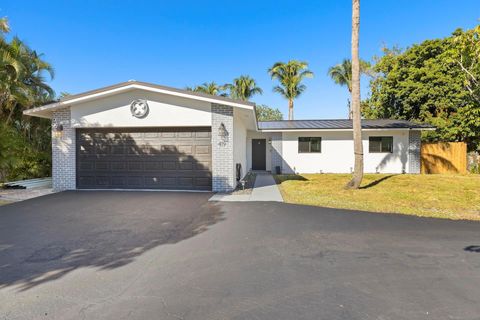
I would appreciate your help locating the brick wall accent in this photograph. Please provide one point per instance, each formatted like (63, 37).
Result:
(414, 146)
(223, 173)
(276, 158)
(63, 152)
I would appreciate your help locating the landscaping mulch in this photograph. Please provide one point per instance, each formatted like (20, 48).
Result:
(249, 182)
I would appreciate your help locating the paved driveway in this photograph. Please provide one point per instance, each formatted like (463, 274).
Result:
(152, 255)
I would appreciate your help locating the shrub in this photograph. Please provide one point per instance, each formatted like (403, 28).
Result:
(19, 159)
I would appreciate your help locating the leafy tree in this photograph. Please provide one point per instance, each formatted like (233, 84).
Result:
(243, 88)
(8, 150)
(4, 26)
(466, 54)
(209, 88)
(290, 76)
(357, 126)
(266, 113)
(341, 74)
(24, 141)
(22, 81)
(431, 82)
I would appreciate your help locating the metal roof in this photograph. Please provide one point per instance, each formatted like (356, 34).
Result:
(336, 124)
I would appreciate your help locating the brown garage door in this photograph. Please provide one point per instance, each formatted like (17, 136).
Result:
(144, 158)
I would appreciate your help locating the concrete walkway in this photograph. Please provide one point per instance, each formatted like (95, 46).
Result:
(264, 189)
(15, 195)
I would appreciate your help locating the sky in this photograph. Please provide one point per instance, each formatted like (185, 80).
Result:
(92, 44)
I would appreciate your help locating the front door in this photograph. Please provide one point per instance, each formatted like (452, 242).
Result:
(258, 154)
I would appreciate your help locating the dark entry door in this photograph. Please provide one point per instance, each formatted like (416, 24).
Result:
(258, 154)
(144, 158)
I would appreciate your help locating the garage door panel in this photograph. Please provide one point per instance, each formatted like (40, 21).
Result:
(118, 182)
(118, 166)
(102, 166)
(204, 182)
(163, 158)
(102, 181)
(169, 165)
(185, 165)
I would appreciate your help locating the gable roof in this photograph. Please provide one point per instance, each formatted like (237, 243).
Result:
(133, 84)
(339, 124)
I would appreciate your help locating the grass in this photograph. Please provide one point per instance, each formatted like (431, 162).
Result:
(2, 202)
(440, 196)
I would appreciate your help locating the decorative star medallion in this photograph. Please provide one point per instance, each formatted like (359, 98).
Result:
(139, 108)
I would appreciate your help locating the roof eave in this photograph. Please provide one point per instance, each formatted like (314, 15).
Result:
(340, 129)
(126, 86)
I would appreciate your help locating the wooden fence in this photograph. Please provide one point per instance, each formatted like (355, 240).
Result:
(444, 157)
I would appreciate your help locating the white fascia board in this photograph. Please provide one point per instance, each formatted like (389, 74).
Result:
(61, 104)
(333, 130)
(423, 129)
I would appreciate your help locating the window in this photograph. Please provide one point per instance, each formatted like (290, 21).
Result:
(380, 145)
(309, 145)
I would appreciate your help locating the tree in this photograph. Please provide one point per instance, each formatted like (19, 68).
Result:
(431, 82)
(211, 88)
(357, 125)
(25, 145)
(243, 88)
(290, 76)
(4, 26)
(265, 113)
(22, 79)
(466, 54)
(341, 74)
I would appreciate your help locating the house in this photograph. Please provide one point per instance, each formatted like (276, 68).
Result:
(137, 135)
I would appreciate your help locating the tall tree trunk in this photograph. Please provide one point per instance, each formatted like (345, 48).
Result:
(357, 126)
(349, 105)
(290, 109)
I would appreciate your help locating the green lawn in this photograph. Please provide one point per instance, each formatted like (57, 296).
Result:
(439, 196)
(2, 202)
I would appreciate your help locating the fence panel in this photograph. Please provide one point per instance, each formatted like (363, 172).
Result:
(444, 157)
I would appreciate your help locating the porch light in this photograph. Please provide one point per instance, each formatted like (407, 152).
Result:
(223, 134)
(57, 130)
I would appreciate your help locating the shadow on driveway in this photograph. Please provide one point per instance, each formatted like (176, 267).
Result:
(472, 249)
(45, 238)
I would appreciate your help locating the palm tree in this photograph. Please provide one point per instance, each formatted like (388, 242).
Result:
(22, 78)
(4, 26)
(211, 88)
(341, 74)
(290, 75)
(243, 88)
(357, 125)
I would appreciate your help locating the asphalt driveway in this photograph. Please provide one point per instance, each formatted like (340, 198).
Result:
(166, 255)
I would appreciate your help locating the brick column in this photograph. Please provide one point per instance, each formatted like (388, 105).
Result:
(223, 173)
(414, 145)
(63, 152)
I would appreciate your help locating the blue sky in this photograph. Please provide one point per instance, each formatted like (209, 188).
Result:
(178, 43)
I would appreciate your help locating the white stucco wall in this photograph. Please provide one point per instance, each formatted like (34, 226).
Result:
(259, 135)
(165, 110)
(337, 153)
(239, 142)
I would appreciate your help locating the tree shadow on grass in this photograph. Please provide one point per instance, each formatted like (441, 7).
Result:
(378, 181)
(280, 178)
